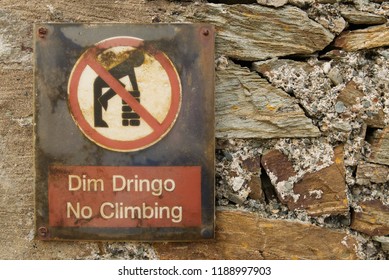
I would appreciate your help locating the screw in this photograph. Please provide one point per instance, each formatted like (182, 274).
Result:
(42, 231)
(206, 233)
(42, 32)
(205, 32)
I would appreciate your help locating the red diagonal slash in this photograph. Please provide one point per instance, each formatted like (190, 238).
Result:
(116, 86)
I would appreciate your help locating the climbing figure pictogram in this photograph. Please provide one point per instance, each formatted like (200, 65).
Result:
(126, 68)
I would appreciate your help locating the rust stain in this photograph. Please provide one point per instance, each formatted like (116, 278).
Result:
(109, 59)
(270, 107)
(42, 32)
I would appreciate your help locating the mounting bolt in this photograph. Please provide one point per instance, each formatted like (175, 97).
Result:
(205, 32)
(42, 32)
(206, 233)
(42, 231)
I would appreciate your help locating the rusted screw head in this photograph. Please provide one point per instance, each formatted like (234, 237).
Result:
(42, 32)
(42, 231)
(205, 32)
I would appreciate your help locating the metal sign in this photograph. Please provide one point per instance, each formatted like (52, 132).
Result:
(124, 135)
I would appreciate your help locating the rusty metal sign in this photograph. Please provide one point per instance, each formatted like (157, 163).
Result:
(124, 134)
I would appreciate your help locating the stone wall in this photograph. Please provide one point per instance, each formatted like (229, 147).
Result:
(302, 114)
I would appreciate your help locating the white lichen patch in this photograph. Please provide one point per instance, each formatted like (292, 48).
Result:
(317, 84)
(329, 16)
(368, 69)
(344, 241)
(5, 47)
(312, 88)
(233, 178)
(285, 189)
(307, 155)
(317, 194)
(27, 121)
(237, 183)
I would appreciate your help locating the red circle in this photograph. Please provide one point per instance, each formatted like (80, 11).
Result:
(121, 145)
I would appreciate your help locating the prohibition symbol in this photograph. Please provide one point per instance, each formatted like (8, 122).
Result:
(123, 95)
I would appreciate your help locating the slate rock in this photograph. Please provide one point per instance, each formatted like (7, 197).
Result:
(354, 16)
(246, 236)
(277, 166)
(319, 193)
(376, 120)
(255, 186)
(370, 172)
(273, 3)
(247, 106)
(324, 191)
(350, 95)
(254, 32)
(380, 146)
(372, 218)
(367, 38)
(268, 67)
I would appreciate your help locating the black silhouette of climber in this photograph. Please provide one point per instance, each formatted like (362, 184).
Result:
(126, 68)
